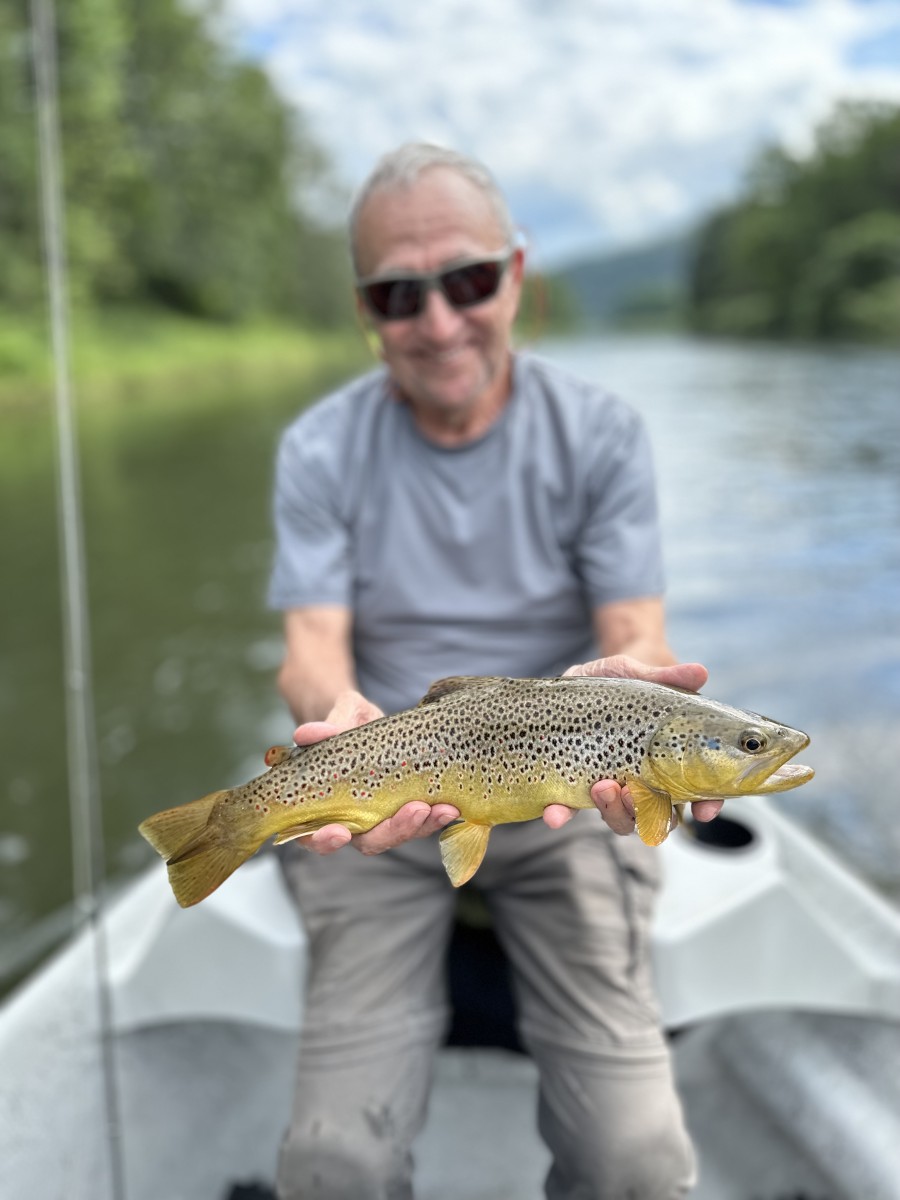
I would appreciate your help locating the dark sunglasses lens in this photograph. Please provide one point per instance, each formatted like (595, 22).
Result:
(394, 298)
(398, 299)
(472, 284)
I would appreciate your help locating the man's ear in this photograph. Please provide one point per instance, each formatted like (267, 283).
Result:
(517, 266)
(367, 329)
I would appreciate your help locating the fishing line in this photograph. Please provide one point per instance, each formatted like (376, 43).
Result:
(84, 791)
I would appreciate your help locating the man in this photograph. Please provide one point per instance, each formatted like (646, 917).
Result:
(468, 511)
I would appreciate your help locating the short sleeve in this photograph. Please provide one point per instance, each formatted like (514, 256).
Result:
(312, 540)
(619, 552)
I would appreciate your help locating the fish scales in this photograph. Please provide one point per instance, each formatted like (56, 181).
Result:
(517, 743)
(499, 750)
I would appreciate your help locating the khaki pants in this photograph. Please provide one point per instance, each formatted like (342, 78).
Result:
(572, 909)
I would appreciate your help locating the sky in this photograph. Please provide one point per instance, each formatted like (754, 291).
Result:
(608, 123)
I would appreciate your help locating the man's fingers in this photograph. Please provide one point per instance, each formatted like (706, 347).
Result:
(705, 810)
(439, 817)
(417, 819)
(414, 820)
(325, 840)
(557, 815)
(349, 710)
(691, 676)
(617, 809)
(615, 805)
(314, 731)
(352, 709)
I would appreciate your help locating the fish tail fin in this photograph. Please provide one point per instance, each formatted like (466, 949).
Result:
(198, 852)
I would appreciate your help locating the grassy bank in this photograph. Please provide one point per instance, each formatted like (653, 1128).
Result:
(116, 355)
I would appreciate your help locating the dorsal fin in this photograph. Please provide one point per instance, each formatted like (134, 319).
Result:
(457, 683)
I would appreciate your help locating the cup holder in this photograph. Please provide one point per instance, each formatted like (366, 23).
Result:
(722, 833)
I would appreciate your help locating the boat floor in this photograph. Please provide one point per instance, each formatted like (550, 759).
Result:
(480, 1141)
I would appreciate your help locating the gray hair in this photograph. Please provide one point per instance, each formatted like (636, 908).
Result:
(403, 167)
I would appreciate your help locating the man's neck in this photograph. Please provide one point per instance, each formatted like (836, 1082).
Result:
(450, 429)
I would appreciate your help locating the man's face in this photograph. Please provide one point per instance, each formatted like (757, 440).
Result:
(452, 365)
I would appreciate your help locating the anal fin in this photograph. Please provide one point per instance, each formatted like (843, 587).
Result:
(462, 848)
(652, 812)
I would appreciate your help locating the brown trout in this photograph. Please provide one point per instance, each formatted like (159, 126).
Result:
(497, 749)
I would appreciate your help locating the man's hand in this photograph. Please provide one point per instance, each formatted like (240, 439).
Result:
(613, 801)
(414, 820)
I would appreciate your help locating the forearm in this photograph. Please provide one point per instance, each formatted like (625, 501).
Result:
(318, 665)
(635, 628)
(310, 694)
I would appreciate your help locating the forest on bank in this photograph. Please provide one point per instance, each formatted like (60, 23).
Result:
(190, 184)
(192, 188)
(812, 248)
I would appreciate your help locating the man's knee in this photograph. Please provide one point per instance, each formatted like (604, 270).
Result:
(616, 1134)
(319, 1165)
(660, 1167)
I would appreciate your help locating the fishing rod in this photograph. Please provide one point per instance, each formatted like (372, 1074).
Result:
(84, 791)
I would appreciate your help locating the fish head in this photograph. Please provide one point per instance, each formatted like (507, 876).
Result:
(706, 749)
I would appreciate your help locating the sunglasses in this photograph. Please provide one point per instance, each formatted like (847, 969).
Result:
(397, 297)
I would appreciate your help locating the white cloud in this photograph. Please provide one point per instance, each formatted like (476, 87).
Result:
(634, 114)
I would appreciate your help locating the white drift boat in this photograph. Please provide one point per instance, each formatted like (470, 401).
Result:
(778, 969)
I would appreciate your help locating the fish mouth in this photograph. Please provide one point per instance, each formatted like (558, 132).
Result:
(789, 776)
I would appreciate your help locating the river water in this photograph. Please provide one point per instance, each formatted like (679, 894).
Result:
(779, 472)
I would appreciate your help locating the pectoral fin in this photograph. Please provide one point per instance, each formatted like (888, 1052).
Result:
(652, 812)
(462, 848)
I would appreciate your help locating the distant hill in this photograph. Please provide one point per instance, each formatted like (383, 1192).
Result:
(609, 287)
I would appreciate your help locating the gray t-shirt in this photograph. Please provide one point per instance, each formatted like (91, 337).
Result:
(483, 559)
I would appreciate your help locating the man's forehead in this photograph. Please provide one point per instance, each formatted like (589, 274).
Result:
(441, 207)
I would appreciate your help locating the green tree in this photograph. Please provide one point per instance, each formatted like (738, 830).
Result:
(852, 287)
(222, 164)
(98, 164)
(185, 173)
(760, 265)
(20, 244)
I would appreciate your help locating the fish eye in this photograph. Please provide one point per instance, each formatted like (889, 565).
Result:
(753, 741)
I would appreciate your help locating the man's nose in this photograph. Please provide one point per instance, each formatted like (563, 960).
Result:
(438, 319)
